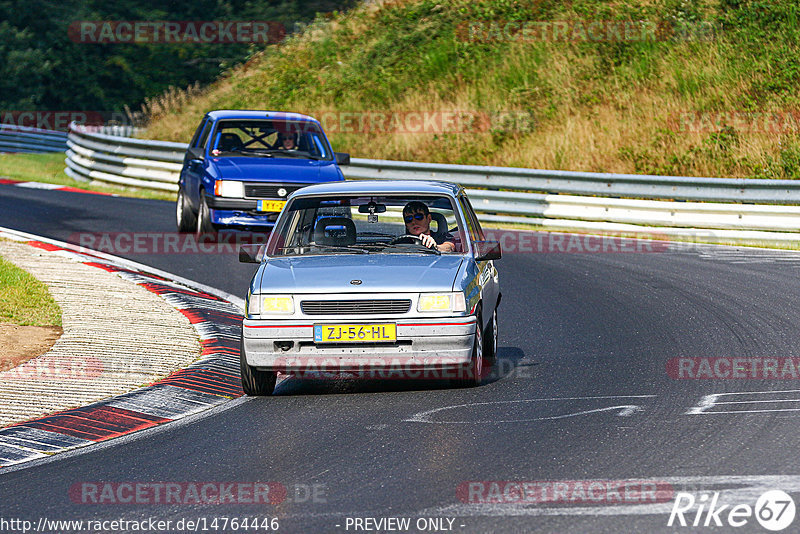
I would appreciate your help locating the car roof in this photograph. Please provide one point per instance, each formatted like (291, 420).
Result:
(380, 187)
(258, 114)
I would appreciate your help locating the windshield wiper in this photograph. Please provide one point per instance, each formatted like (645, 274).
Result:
(293, 153)
(254, 152)
(417, 248)
(348, 248)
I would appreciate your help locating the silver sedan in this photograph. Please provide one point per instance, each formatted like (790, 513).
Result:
(384, 279)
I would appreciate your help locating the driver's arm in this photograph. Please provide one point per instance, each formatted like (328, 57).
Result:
(430, 242)
(447, 246)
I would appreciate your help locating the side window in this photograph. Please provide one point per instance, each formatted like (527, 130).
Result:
(197, 132)
(475, 223)
(468, 219)
(203, 136)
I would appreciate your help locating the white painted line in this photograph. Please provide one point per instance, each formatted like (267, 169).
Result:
(625, 410)
(39, 185)
(708, 402)
(733, 490)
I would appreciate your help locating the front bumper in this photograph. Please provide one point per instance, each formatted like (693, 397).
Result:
(422, 345)
(238, 213)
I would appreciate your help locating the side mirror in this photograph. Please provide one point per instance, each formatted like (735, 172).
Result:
(487, 250)
(342, 158)
(196, 152)
(251, 253)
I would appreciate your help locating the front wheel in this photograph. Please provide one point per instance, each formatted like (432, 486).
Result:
(186, 218)
(204, 224)
(254, 381)
(471, 375)
(491, 339)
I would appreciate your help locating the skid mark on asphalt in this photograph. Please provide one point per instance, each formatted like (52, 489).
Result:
(622, 410)
(211, 380)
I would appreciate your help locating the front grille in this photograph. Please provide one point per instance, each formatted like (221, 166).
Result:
(268, 191)
(354, 307)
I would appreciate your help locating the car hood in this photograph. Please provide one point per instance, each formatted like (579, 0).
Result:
(275, 169)
(377, 272)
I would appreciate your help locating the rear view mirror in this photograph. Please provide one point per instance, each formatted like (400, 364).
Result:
(372, 207)
(251, 253)
(487, 250)
(342, 158)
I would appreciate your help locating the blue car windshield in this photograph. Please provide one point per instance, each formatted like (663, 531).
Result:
(348, 224)
(270, 138)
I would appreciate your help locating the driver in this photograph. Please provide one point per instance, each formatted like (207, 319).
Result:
(286, 141)
(417, 217)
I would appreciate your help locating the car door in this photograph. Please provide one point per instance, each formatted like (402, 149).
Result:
(487, 278)
(192, 171)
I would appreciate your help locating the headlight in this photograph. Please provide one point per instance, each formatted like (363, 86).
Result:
(229, 189)
(270, 305)
(434, 302)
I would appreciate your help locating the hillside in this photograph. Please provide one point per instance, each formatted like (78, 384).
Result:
(684, 87)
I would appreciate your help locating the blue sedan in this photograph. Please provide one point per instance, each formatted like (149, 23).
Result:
(241, 166)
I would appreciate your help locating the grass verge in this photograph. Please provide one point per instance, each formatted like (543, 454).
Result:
(24, 300)
(713, 93)
(49, 168)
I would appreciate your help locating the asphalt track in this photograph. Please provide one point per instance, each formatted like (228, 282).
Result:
(581, 392)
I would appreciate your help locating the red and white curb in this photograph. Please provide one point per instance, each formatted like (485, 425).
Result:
(56, 187)
(211, 380)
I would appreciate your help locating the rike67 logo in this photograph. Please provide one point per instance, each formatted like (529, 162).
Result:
(774, 510)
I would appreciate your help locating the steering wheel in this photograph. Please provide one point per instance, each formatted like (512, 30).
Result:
(405, 238)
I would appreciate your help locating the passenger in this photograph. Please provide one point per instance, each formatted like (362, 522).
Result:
(417, 217)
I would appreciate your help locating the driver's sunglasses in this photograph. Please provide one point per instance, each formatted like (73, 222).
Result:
(417, 216)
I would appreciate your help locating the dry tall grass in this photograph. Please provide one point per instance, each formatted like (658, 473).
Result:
(589, 116)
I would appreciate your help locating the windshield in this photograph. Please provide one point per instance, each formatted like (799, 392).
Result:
(271, 139)
(367, 225)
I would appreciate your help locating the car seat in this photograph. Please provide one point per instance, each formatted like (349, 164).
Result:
(441, 223)
(229, 142)
(337, 231)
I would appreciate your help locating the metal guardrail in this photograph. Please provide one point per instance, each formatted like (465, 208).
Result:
(30, 140)
(733, 209)
(123, 160)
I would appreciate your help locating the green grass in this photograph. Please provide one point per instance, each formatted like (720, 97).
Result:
(606, 106)
(24, 300)
(49, 168)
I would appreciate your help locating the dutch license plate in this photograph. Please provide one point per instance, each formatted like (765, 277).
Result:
(270, 205)
(354, 333)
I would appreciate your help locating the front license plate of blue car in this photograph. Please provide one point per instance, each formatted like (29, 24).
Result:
(270, 205)
(355, 333)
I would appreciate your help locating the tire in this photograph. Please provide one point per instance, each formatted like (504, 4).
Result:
(204, 225)
(186, 218)
(490, 351)
(255, 382)
(472, 375)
